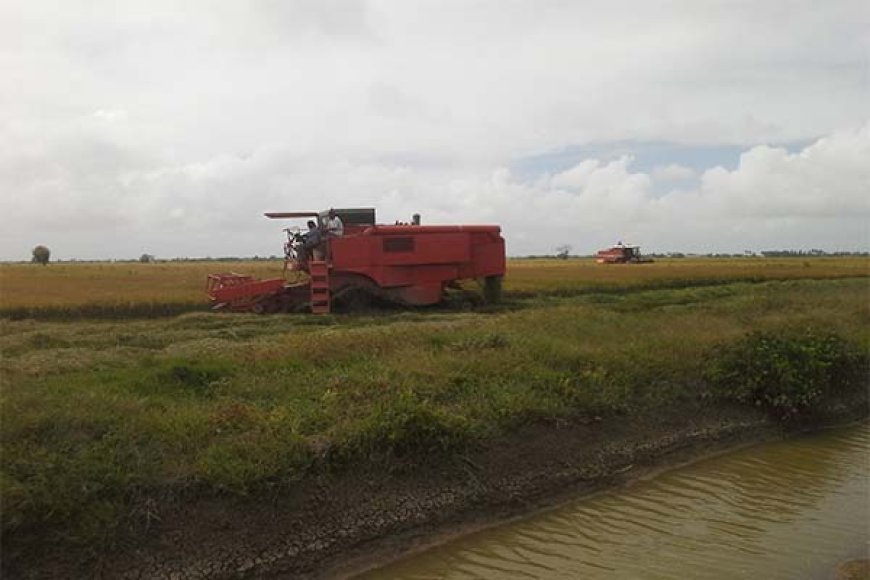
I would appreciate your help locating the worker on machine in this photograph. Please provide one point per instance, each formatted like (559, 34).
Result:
(334, 229)
(302, 247)
(312, 243)
(334, 225)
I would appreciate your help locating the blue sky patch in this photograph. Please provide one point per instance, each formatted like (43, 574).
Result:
(647, 156)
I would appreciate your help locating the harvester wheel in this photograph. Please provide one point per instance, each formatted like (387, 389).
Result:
(357, 299)
(269, 305)
(492, 289)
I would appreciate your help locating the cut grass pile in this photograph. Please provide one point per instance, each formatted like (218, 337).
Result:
(100, 420)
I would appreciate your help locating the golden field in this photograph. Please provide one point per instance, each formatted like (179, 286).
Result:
(535, 276)
(77, 284)
(126, 285)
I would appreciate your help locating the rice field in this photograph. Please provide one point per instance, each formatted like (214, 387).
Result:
(72, 285)
(173, 287)
(563, 276)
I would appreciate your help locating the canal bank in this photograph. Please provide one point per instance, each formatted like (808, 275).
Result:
(780, 510)
(335, 524)
(680, 441)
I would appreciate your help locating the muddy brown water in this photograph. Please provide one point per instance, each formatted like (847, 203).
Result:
(788, 509)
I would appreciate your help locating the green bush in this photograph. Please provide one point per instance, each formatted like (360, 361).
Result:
(786, 373)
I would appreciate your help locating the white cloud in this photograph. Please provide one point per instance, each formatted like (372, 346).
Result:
(672, 172)
(829, 179)
(165, 127)
(816, 197)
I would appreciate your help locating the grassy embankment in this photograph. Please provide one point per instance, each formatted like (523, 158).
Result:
(102, 420)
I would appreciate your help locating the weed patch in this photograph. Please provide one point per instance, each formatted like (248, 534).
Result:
(786, 373)
(199, 378)
(408, 425)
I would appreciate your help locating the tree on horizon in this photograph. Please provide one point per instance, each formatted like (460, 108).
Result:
(41, 254)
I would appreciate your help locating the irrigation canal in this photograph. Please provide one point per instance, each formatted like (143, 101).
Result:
(788, 509)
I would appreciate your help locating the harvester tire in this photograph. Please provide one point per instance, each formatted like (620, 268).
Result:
(268, 305)
(492, 289)
(356, 299)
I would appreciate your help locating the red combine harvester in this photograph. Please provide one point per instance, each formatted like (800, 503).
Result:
(408, 264)
(621, 254)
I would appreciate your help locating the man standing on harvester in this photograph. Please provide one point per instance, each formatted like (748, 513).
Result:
(312, 245)
(334, 225)
(334, 229)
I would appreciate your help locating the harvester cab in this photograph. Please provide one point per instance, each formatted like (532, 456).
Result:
(405, 263)
(304, 244)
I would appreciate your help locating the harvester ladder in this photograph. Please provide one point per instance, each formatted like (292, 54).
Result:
(319, 273)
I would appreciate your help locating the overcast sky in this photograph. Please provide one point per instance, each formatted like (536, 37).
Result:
(166, 127)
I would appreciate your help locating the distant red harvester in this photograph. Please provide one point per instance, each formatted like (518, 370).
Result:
(405, 263)
(621, 254)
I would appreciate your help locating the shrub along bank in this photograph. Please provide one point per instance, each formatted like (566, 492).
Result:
(102, 422)
(787, 374)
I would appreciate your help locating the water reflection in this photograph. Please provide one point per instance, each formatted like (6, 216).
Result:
(791, 509)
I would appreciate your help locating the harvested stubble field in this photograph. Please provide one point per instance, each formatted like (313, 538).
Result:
(103, 418)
